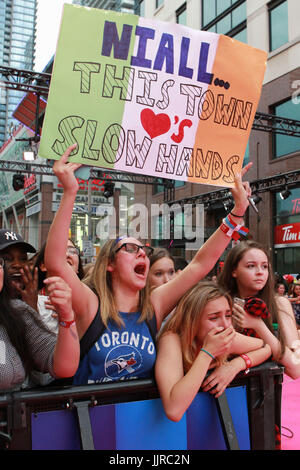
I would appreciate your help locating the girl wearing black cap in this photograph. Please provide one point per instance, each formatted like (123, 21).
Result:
(23, 283)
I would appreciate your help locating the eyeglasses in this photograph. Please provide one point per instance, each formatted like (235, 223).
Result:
(71, 250)
(2, 262)
(134, 248)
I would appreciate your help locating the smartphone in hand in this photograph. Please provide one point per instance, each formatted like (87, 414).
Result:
(239, 301)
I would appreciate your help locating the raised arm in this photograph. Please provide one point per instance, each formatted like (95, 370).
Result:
(165, 297)
(84, 300)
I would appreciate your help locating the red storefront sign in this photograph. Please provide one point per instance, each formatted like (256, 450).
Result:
(29, 183)
(97, 185)
(296, 206)
(287, 235)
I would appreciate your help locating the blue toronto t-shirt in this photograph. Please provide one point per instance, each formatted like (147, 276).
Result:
(121, 353)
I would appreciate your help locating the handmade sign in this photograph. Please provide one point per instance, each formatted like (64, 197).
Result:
(150, 97)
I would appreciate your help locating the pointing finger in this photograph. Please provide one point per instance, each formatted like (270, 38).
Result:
(246, 168)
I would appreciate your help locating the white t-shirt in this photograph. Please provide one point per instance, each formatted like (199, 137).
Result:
(47, 314)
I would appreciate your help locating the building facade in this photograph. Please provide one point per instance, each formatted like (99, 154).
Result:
(123, 6)
(274, 27)
(17, 50)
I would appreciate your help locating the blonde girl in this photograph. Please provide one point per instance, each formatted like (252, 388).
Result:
(198, 337)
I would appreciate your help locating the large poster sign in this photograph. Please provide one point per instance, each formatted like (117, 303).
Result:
(151, 97)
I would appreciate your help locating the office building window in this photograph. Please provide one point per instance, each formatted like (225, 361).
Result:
(287, 210)
(278, 24)
(141, 10)
(227, 17)
(181, 15)
(285, 144)
(246, 156)
(241, 36)
(159, 188)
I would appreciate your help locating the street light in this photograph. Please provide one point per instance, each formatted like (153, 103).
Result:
(108, 189)
(285, 194)
(18, 181)
(28, 156)
(256, 198)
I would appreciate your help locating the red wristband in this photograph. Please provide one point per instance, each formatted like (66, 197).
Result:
(65, 323)
(232, 229)
(248, 363)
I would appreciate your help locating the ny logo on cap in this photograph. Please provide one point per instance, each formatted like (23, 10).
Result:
(11, 235)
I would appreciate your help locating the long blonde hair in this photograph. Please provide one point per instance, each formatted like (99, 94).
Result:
(101, 283)
(185, 320)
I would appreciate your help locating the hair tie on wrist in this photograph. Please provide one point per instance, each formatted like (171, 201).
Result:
(204, 350)
(239, 216)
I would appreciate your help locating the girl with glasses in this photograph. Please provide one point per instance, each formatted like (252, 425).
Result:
(119, 295)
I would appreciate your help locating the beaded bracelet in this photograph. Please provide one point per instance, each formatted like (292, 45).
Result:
(233, 230)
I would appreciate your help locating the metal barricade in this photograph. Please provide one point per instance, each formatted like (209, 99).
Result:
(130, 416)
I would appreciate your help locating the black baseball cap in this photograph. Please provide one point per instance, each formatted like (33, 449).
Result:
(9, 238)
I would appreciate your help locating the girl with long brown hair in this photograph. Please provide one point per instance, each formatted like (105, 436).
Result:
(248, 274)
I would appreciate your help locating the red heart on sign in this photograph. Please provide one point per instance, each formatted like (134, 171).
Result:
(155, 124)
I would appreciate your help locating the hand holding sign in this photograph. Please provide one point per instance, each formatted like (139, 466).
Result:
(241, 192)
(64, 170)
